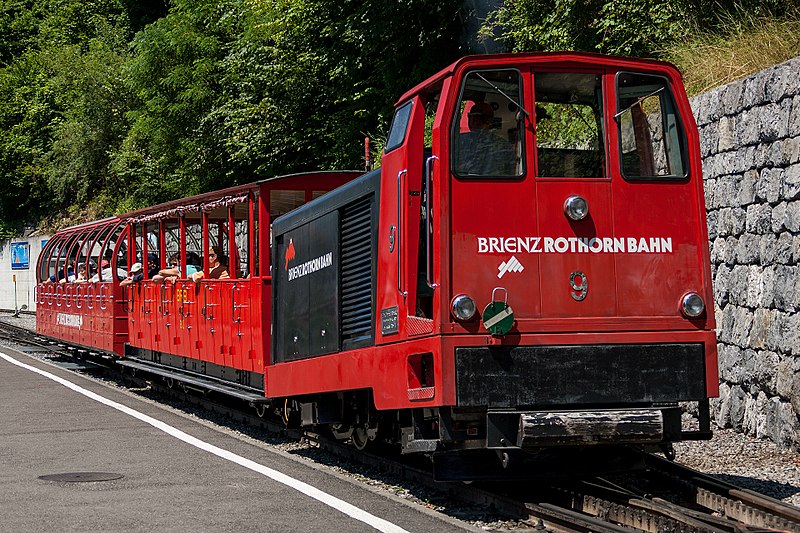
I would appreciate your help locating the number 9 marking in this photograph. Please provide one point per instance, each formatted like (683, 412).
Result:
(579, 290)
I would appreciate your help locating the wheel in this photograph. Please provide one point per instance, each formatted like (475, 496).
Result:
(360, 437)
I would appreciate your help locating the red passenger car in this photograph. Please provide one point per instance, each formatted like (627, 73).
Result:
(528, 269)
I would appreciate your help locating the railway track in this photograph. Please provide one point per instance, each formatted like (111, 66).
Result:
(659, 496)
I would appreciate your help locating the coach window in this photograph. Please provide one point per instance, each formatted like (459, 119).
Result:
(194, 239)
(239, 257)
(569, 124)
(651, 138)
(487, 129)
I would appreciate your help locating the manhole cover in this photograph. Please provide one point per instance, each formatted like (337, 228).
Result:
(79, 477)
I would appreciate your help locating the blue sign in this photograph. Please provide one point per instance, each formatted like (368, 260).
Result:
(20, 255)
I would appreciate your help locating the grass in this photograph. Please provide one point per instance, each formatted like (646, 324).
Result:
(748, 44)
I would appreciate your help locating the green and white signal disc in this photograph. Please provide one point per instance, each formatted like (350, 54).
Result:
(498, 318)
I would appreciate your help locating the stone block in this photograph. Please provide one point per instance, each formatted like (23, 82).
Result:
(762, 324)
(747, 126)
(742, 323)
(792, 341)
(738, 220)
(738, 285)
(722, 406)
(767, 295)
(724, 191)
(721, 282)
(770, 184)
(711, 224)
(773, 124)
(754, 420)
(732, 98)
(765, 371)
(784, 283)
(792, 219)
(725, 319)
(776, 154)
(747, 187)
(759, 218)
(730, 250)
(791, 150)
(726, 134)
(796, 248)
(754, 90)
(791, 183)
(779, 217)
(737, 407)
(731, 363)
(747, 249)
(784, 425)
(786, 378)
(718, 250)
(783, 249)
(709, 186)
(709, 139)
(794, 117)
(767, 249)
(784, 82)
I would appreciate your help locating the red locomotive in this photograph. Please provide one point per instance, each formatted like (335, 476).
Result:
(528, 269)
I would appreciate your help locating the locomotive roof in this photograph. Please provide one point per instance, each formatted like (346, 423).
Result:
(586, 58)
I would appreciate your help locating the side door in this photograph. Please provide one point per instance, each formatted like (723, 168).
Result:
(398, 237)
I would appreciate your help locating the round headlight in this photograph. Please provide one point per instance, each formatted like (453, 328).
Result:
(692, 305)
(576, 208)
(463, 307)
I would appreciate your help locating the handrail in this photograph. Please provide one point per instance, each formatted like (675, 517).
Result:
(162, 308)
(102, 296)
(204, 311)
(400, 205)
(184, 301)
(428, 221)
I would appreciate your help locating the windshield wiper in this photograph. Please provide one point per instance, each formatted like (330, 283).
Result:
(499, 90)
(638, 101)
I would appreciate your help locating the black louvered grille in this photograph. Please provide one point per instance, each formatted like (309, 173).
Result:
(356, 271)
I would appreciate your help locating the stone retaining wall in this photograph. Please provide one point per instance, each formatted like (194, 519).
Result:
(750, 142)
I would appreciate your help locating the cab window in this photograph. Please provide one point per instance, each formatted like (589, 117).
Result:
(487, 129)
(652, 139)
(397, 132)
(569, 124)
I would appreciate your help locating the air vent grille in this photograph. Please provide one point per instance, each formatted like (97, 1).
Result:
(356, 274)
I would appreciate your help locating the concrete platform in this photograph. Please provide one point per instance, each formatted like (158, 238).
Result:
(211, 481)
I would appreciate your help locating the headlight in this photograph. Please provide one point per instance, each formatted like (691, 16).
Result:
(692, 305)
(463, 307)
(576, 208)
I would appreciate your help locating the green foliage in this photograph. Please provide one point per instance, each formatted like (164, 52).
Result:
(641, 28)
(110, 105)
(622, 27)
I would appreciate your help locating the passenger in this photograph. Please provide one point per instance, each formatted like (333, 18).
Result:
(480, 151)
(107, 272)
(81, 277)
(70, 274)
(152, 265)
(217, 263)
(135, 275)
(173, 270)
